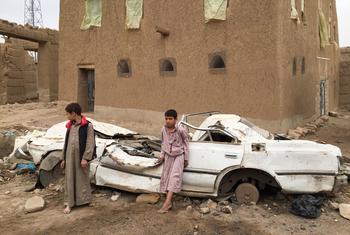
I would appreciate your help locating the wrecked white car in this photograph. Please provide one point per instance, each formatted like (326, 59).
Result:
(228, 155)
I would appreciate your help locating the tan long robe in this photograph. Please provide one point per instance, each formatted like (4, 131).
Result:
(77, 190)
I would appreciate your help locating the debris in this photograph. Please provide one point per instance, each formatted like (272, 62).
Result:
(115, 197)
(29, 167)
(227, 210)
(13, 166)
(334, 205)
(324, 118)
(34, 204)
(306, 206)
(59, 188)
(304, 131)
(37, 191)
(187, 201)
(100, 195)
(151, 198)
(223, 203)
(189, 209)
(333, 114)
(293, 134)
(204, 210)
(29, 188)
(210, 204)
(344, 210)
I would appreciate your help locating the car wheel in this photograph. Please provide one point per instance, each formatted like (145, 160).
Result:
(247, 193)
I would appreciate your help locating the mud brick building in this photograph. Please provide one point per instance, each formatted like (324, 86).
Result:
(271, 61)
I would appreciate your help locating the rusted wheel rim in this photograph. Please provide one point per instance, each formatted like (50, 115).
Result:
(247, 193)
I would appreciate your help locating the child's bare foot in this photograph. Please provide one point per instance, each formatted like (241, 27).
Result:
(67, 210)
(165, 209)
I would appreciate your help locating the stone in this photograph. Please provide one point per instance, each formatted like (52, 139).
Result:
(189, 209)
(333, 114)
(34, 204)
(7, 192)
(344, 210)
(1, 162)
(334, 205)
(227, 209)
(274, 204)
(115, 197)
(324, 118)
(37, 191)
(215, 213)
(293, 134)
(151, 198)
(59, 188)
(13, 166)
(223, 203)
(210, 204)
(319, 122)
(204, 210)
(29, 188)
(187, 201)
(196, 227)
(303, 131)
(311, 125)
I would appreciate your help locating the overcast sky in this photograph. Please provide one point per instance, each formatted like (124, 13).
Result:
(13, 10)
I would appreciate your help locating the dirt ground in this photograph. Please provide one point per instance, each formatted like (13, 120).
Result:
(125, 216)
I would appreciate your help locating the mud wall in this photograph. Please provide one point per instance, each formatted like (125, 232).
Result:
(18, 73)
(257, 41)
(344, 99)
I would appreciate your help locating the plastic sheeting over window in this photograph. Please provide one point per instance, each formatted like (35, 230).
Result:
(324, 31)
(134, 12)
(93, 14)
(215, 10)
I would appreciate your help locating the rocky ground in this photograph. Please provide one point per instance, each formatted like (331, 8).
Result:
(113, 212)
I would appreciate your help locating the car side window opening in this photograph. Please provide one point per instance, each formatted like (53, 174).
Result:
(218, 137)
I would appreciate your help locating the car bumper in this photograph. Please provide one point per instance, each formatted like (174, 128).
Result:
(340, 181)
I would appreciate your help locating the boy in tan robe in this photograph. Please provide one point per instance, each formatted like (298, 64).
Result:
(78, 150)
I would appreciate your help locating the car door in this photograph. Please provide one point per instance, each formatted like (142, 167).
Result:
(206, 161)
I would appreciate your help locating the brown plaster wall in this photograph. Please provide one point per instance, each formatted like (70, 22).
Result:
(345, 77)
(258, 40)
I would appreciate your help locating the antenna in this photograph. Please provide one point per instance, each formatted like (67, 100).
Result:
(32, 13)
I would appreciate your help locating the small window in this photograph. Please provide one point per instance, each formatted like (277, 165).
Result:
(167, 67)
(294, 66)
(217, 62)
(303, 65)
(124, 68)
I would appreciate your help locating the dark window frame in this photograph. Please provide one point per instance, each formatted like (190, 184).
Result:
(164, 63)
(120, 68)
(214, 60)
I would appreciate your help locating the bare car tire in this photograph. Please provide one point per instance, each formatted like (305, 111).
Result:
(247, 193)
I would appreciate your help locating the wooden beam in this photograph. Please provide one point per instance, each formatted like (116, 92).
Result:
(162, 31)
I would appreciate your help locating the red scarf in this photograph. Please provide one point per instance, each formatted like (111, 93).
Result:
(82, 123)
